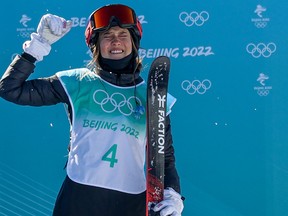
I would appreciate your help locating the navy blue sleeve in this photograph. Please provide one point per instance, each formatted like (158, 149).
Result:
(15, 87)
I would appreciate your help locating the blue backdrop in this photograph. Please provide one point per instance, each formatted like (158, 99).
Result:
(228, 72)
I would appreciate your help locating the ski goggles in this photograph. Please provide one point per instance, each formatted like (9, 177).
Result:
(103, 16)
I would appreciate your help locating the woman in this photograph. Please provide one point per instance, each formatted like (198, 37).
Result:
(105, 167)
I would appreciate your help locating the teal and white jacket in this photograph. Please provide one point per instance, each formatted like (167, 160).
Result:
(107, 137)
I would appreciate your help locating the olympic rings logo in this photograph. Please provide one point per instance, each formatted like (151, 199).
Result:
(116, 101)
(261, 49)
(262, 92)
(194, 18)
(196, 86)
(25, 34)
(260, 24)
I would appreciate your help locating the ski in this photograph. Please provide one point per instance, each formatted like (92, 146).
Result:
(157, 85)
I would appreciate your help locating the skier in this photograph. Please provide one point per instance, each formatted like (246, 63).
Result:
(106, 102)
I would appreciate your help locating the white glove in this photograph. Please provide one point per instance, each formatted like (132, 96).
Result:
(50, 29)
(172, 204)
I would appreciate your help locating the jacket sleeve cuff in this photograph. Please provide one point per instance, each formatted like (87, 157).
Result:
(28, 57)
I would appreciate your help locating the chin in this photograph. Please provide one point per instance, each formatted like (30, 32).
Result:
(117, 57)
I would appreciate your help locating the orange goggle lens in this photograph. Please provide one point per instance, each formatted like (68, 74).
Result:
(124, 14)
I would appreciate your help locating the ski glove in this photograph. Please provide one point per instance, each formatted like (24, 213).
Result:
(172, 203)
(50, 29)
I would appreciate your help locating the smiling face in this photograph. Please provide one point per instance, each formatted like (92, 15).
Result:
(115, 43)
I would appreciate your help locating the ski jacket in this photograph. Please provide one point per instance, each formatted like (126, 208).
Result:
(15, 87)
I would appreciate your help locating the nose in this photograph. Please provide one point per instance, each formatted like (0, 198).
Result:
(116, 40)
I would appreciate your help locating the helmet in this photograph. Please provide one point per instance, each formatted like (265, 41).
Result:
(112, 15)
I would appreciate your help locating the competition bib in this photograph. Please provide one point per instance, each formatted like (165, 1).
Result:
(108, 132)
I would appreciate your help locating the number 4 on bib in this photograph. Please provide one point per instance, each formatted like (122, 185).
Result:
(110, 155)
(157, 85)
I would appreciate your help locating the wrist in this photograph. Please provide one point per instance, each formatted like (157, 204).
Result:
(28, 57)
(180, 196)
(36, 47)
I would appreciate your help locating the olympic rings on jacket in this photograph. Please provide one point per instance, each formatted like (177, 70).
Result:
(116, 101)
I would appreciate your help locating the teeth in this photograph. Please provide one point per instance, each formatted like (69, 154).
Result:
(116, 51)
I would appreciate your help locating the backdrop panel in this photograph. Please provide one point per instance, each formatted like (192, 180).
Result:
(230, 122)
